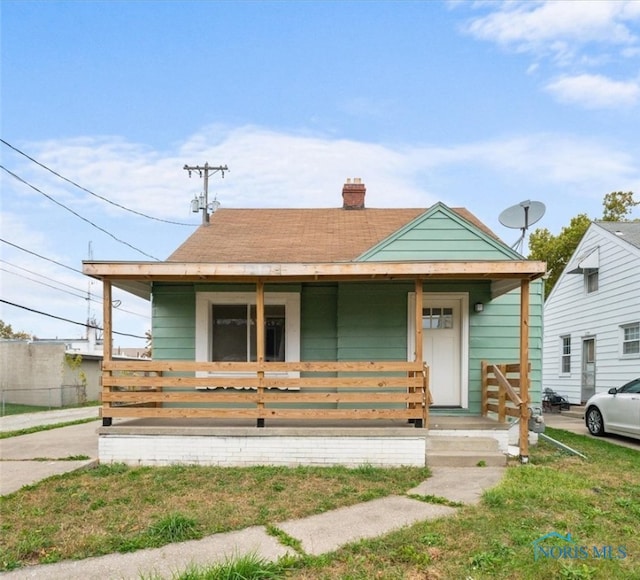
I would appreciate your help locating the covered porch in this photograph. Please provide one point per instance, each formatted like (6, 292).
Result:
(382, 404)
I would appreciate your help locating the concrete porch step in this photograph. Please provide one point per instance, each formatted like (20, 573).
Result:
(464, 451)
(466, 459)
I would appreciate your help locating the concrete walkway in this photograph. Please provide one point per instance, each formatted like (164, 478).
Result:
(27, 459)
(317, 534)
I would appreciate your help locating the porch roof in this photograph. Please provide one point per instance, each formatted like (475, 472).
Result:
(137, 277)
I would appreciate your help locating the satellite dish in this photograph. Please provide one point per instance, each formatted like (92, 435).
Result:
(521, 216)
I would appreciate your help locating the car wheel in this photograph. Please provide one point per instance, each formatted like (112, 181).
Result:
(595, 424)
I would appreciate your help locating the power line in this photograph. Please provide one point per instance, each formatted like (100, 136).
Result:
(37, 274)
(67, 320)
(21, 180)
(42, 257)
(91, 192)
(96, 300)
(43, 283)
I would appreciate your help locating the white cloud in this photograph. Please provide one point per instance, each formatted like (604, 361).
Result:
(557, 27)
(575, 36)
(594, 91)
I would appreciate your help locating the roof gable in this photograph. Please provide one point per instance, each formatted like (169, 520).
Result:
(440, 233)
(599, 235)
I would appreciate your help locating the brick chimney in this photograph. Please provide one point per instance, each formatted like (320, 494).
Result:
(353, 193)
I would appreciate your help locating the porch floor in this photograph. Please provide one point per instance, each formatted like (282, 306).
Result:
(178, 426)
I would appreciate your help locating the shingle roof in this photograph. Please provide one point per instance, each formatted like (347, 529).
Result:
(627, 231)
(296, 235)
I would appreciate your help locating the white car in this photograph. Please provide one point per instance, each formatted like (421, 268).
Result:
(616, 411)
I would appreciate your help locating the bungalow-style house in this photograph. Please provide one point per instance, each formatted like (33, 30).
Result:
(592, 315)
(338, 335)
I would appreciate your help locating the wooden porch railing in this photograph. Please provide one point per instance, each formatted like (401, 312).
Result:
(501, 391)
(283, 390)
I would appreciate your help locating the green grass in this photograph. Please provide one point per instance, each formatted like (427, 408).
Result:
(596, 500)
(38, 428)
(115, 508)
(7, 409)
(16, 409)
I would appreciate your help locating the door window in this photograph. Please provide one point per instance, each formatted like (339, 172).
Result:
(437, 318)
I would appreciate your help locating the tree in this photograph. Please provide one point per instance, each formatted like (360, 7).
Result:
(148, 347)
(7, 332)
(618, 205)
(556, 251)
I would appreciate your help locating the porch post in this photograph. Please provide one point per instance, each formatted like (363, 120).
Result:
(418, 354)
(524, 371)
(418, 319)
(260, 323)
(107, 331)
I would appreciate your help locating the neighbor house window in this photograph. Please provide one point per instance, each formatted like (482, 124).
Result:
(591, 280)
(631, 339)
(565, 357)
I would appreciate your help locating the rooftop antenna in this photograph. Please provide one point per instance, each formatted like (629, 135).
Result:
(520, 217)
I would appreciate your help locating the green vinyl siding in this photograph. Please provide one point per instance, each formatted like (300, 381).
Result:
(174, 322)
(372, 321)
(439, 234)
(318, 323)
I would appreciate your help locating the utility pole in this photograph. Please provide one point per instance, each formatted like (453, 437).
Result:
(202, 203)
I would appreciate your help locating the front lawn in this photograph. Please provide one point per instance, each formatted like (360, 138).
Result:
(115, 508)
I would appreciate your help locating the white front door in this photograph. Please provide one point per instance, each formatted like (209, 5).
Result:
(444, 347)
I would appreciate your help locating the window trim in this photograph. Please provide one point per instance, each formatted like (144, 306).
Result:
(564, 355)
(205, 300)
(624, 327)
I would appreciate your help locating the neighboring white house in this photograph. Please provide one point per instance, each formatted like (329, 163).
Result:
(592, 316)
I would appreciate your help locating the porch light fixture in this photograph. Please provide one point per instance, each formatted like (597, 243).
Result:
(478, 306)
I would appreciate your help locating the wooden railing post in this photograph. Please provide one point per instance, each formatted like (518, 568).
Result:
(484, 398)
(502, 397)
(426, 396)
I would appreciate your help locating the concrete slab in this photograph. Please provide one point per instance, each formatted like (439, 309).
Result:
(164, 562)
(327, 532)
(18, 455)
(460, 484)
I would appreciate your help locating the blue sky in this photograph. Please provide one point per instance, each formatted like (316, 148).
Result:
(475, 104)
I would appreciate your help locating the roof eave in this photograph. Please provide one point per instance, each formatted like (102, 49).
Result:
(136, 277)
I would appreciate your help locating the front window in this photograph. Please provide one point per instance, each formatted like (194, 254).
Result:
(631, 339)
(565, 354)
(233, 332)
(226, 326)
